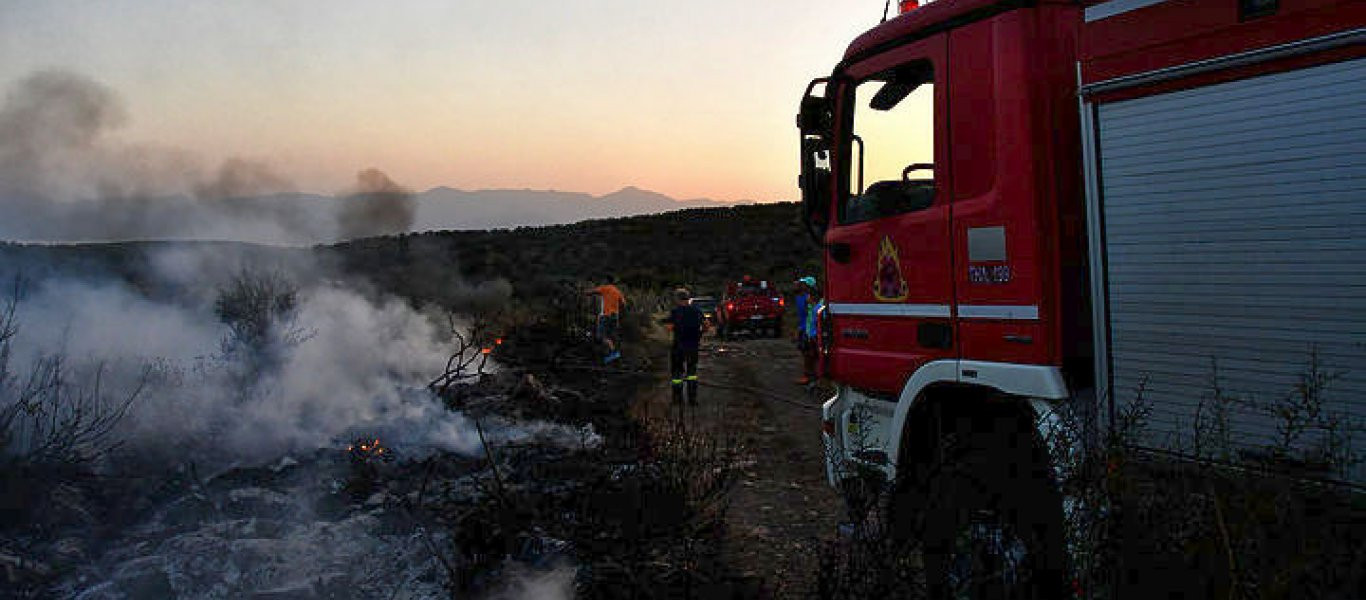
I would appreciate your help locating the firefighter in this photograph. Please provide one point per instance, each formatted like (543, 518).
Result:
(686, 322)
(807, 304)
(609, 316)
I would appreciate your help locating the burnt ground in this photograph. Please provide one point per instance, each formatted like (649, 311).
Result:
(650, 513)
(781, 512)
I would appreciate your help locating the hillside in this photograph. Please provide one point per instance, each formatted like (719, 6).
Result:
(300, 218)
(446, 208)
(700, 248)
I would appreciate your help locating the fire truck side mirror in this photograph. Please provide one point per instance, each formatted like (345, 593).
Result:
(815, 185)
(815, 121)
(814, 116)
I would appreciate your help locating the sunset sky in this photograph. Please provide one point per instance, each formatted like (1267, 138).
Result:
(690, 99)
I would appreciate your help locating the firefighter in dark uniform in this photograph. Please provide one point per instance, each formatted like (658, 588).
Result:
(686, 322)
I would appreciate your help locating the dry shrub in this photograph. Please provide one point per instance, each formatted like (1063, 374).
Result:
(662, 519)
(1208, 518)
(1205, 519)
(52, 416)
(867, 559)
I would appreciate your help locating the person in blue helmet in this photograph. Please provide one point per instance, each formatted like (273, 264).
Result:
(807, 304)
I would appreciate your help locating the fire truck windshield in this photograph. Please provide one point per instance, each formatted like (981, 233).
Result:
(894, 122)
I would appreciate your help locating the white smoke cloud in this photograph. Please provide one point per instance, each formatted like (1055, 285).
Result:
(105, 320)
(524, 583)
(361, 365)
(358, 365)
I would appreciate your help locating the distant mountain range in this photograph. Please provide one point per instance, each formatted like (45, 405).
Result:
(298, 218)
(445, 208)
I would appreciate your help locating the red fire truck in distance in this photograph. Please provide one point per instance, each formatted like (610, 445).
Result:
(1027, 206)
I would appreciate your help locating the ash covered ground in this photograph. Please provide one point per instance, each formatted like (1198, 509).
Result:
(231, 422)
(208, 432)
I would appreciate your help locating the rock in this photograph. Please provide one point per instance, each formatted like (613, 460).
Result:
(20, 568)
(530, 389)
(69, 549)
(187, 511)
(102, 591)
(294, 591)
(258, 502)
(269, 528)
(284, 463)
(144, 578)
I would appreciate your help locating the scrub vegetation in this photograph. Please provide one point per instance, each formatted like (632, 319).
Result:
(1202, 518)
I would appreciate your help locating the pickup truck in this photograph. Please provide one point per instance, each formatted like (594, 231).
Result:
(706, 304)
(750, 305)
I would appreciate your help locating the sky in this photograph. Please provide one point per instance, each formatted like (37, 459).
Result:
(690, 99)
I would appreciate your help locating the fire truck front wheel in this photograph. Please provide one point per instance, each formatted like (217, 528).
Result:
(992, 524)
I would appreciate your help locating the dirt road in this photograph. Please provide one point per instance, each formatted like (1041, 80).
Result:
(782, 511)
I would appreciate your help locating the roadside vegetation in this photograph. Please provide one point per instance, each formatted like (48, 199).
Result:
(1202, 518)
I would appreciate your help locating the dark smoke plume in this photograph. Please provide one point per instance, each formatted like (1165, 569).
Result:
(64, 178)
(47, 121)
(377, 207)
(239, 178)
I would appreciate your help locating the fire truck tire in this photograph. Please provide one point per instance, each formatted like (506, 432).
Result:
(992, 524)
(777, 330)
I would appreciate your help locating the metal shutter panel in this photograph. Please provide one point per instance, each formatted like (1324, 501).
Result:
(1235, 234)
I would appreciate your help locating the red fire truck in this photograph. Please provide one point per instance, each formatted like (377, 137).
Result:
(1027, 206)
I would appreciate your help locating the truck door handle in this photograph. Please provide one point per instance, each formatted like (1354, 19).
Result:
(840, 252)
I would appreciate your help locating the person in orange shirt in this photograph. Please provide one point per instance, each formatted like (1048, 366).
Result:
(609, 316)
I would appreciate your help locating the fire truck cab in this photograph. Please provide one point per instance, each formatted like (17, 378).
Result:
(1027, 206)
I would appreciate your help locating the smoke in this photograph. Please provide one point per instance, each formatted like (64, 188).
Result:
(378, 206)
(525, 583)
(65, 175)
(50, 123)
(346, 363)
(238, 178)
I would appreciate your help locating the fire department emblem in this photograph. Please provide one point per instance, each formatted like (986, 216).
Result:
(888, 284)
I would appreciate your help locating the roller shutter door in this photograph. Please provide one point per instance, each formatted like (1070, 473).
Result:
(1235, 240)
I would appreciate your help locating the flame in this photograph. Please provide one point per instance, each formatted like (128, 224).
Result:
(365, 449)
